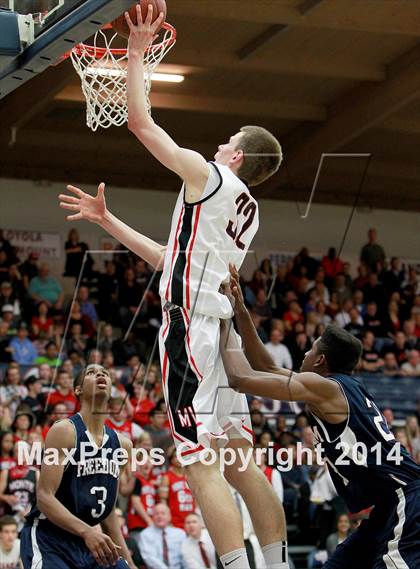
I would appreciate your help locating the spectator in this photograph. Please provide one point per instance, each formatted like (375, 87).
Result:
(292, 315)
(22, 424)
(9, 297)
(372, 320)
(355, 326)
(76, 253)
(12, 392)
(175, 492)
(373, 291)
(342, 533)
(23, 350)
(46, 288)
(142, 499)
(57, 413)
(9, 542)
(18, 486)
(272, 474)
(7, 459)
(107, 292)
(76, 342)
(343, 317)
(4, 266)
(389, 416)
(409, 329)
(77, 317)
(5, 245)
(372, 253)
(262, 307)
(392, 322)
(197, 549)
(51, 356)
(399, 347)
(331, 264)
(9, 319)
(142, 404)
(391, 367)
(358, 302)
(119, 419)
(34, 400)
(370, 360)
(412, 366)
(5, 352)
(394, 277)
(42, 322)
(29, 268)
(160, 544)
(129, 297)
(413, 433)
(342, 289)
(64, 393)
(278, 351)
(86, 305)
(106, 343)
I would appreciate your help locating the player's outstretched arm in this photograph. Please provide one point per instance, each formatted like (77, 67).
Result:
(189, 165)
(62, 436)
(282, 384)
(255, 351)
(94, 209)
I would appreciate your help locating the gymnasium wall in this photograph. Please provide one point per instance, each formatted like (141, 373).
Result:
(27, 205)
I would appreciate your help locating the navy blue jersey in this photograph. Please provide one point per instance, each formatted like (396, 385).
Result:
(365, 461)
(89, 487)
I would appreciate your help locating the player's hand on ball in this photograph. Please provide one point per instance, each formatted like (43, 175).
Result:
(102, 547)
(84, 206)
(142, 34)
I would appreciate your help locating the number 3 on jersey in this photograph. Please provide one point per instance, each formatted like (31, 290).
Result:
(101, 493)
(245, 216)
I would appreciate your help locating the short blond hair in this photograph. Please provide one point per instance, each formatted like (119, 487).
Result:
(262, 154)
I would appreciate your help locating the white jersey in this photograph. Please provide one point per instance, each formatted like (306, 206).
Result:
(205, 237)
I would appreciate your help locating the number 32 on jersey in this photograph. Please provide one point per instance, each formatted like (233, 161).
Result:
(245, 213)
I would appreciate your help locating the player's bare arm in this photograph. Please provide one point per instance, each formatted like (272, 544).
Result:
(94, 209)
(62, 436)
(110, 525)
(252, 370)
(189, 165)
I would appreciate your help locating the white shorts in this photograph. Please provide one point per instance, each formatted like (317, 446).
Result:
(201, 405)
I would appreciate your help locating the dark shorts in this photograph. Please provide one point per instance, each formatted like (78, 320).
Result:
(45, 546)
(389, 539)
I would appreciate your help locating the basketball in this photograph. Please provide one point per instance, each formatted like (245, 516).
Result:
(120, 24)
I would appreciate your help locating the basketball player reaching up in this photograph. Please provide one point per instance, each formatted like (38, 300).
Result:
(367, 465)
(214, 222)
(74, 525)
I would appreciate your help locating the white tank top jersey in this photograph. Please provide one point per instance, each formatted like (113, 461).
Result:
(205, 237)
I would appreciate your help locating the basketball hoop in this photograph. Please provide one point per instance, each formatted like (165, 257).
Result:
(103, 74)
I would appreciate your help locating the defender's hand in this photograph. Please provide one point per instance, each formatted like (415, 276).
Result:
(91, 208)
(142, 34)
(102, 547)
(235, 289)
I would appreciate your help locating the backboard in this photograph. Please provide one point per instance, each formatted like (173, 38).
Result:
(48, 29)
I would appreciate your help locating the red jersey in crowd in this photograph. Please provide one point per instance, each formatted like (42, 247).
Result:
(145, 488)
(69, 400)
(128, 428)
(141, 410)
(180, 498)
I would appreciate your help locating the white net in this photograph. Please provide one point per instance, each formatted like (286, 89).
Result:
(103, 73)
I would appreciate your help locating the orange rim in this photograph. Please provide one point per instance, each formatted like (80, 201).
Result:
(99, 52)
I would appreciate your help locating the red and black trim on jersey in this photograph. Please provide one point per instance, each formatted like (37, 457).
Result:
(185, 236)
(180, 381)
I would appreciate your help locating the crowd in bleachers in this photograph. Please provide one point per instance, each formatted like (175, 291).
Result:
(47, 337)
